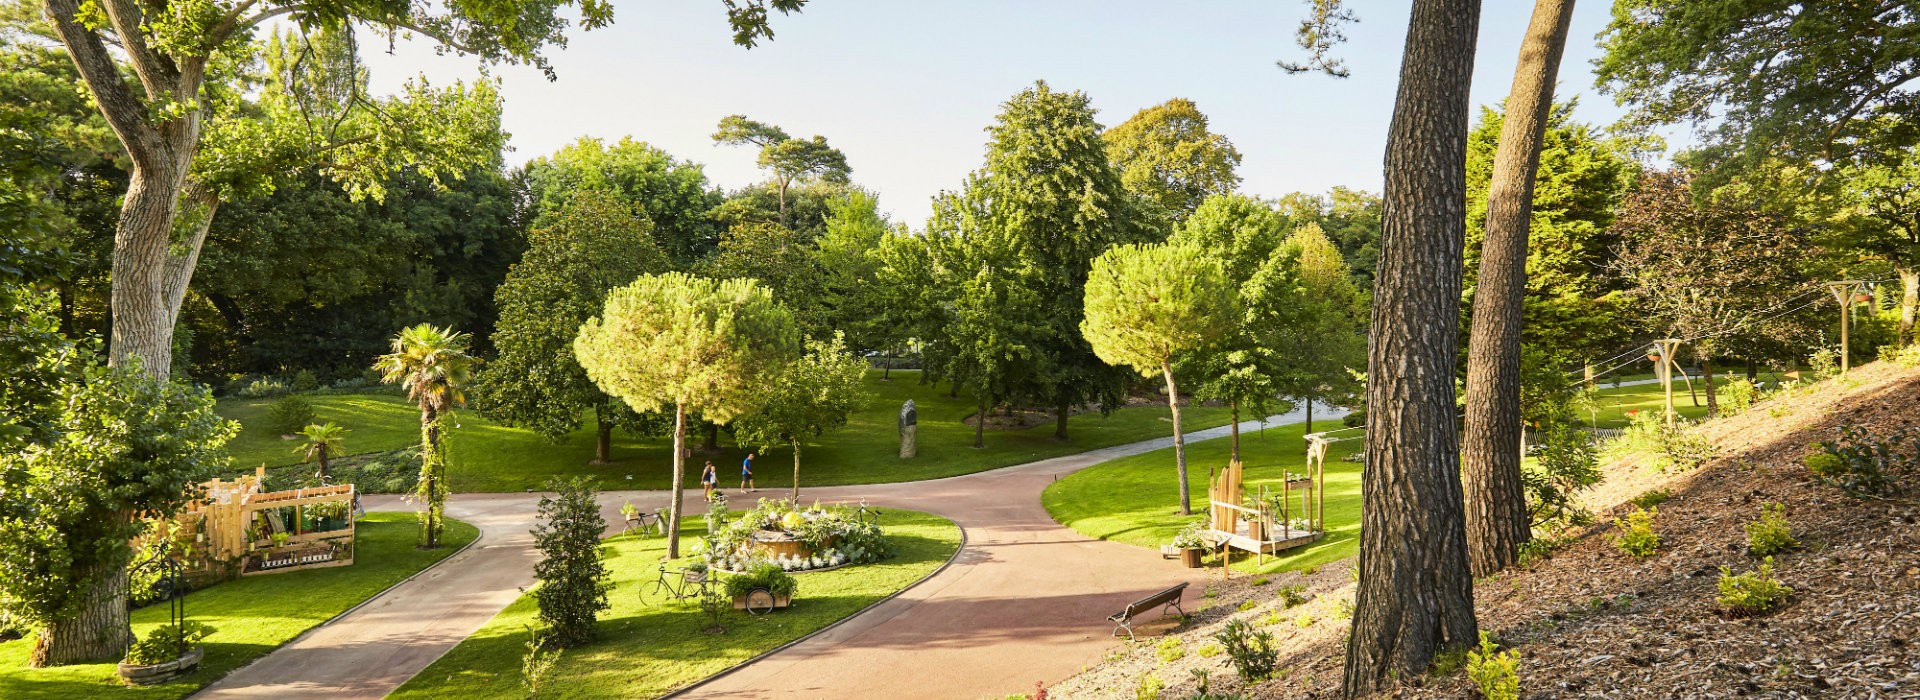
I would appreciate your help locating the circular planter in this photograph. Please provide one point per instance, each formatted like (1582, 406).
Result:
(150, 674)
(761, 601)
(1190, 558)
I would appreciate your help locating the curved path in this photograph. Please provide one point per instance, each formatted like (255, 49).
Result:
(1025, 600)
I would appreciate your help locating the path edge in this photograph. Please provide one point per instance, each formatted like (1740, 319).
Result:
(481, 535)
(836, 623)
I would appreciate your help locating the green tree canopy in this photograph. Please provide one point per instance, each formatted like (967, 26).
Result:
(591, 244)
(810, 396)
(1166, 155)
(673, 194)
(788, 158)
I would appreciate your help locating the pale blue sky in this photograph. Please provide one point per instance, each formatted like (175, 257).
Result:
(906, 88)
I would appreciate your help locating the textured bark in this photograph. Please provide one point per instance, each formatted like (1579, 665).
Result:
(1235, 404)
(430, 427)
(1416, 594)
(603, 444)
(1179, 441)
(1496, 503)
(679, 476)
(796, 469)
(1706, 378)
(97, 632)
(712, 442)
(1060, 423)
(980, 424)
(1909, 301)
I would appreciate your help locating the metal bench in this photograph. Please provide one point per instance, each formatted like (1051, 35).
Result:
(1165, 600)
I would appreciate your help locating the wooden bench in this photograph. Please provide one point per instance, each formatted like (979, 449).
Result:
(1165, 600)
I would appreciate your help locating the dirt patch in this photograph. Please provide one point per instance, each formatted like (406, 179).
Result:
(1590, 621)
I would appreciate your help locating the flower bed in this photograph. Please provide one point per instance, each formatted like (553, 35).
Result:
(794, 539)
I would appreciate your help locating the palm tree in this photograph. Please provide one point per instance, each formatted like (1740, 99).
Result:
(323, 441)
(433, 366)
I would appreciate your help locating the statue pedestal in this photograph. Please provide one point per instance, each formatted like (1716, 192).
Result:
(907, 446)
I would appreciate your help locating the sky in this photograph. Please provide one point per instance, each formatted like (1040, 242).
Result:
(906, 88)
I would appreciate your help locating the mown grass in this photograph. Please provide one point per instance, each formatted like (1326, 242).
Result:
(486, 456)
(252, 615)
(650, 648)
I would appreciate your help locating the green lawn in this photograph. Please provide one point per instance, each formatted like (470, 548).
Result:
(1612, 404)
(649, 649)
(489, 457)
(251, 615)
(1136, 500)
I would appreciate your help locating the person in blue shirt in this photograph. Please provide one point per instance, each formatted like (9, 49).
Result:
(746, 473)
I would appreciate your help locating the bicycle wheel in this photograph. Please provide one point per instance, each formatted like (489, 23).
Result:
(759, 601)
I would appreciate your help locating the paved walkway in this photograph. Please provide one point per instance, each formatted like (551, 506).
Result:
(1025, 600)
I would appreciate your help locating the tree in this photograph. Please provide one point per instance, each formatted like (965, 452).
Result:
(432, 365)
(1166, 155)
(323, 443)
(82, 449)
(788, 158)
(1416, 595)
(1756, 79)
(1150, 304)
(701, 345)
(783, 260)
(592, 243)
(1351, 218)
(1709, 273)
(1881, 188)
(1496, 503)
(573, 577)
(810, 396)
(987, 300)
(1047, 184)
(672, 194)
(849, 297)
(1321, 332)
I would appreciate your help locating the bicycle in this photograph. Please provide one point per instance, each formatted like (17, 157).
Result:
(682, 585)
(867, 515)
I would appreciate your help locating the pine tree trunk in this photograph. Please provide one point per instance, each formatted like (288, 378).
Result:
(1496, 503)
(980, 424)
(679, 476)
(796, 469)
(1235, 410)
(98, 632)
(1179, 441)
(1416, 594)
(1909, 302)
(603, 437)
(1060, 423)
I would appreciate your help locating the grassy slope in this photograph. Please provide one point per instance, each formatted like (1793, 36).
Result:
(649, 649)
(489, 457)
(1133, 500)
(251, 615)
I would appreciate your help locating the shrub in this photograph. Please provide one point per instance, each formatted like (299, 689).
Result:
(289, 415)
(1652, 498)
(1566, 463)
(1736, 395)
(763, 575)
(166, 642)
(1908, 357)
(262, 388)
(1752, 593)
(1304, 621)
(1538, 548)
(573, 578)
(1673, 447)
(304, 380)
(1771, 533)
(1246, 605)
(1189, 536)
(1858, 464)
(1290, 596)
(535, 664)
(1149, 688)
(1251, 650)
(1170, 649)
(1496, 673)
(1343, 609)
(1824, 363)
(1208, 651)
(1636, 536)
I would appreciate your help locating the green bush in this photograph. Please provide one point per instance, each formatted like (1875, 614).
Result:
(166, 642)
(1673, 447)
(1251, 650)
(289, 415)
(1290, 596)
(1752, 593)
(763, 575)
(1170, 649)
(1908, 357)
(1736, 396)
(261, 388)
(1652, 498)
(1496, 673)
(1636, 536)
(304, 380)
(574, 580)
(1538, 548)
(1825, 363)
(1149, 688)
(1859, 464)
(1210, 650)
(1566, 463)
(1771, 533)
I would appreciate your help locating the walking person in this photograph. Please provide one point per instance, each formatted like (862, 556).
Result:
(746, 473)
(710, 479)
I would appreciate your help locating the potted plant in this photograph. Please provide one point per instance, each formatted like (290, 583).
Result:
(168, 651)
(1191, 545)
(695, 571)
(280, 540)
(632, 514)
(762, 588)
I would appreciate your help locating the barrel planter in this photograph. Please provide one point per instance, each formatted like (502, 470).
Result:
(1191, 557)
(150, 674)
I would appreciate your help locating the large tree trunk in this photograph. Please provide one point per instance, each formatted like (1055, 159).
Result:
(1909, 302)
(1496, 503)
(712, 442)
(603, 437)
(1179, 441)
(1416, 594)
(980, 424)
(796, 469)
(98, 632)
(679, 476)
(1060, 423)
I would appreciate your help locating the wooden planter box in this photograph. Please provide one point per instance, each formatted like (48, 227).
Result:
(1190, 558)
(740, 602)
(161, 673)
